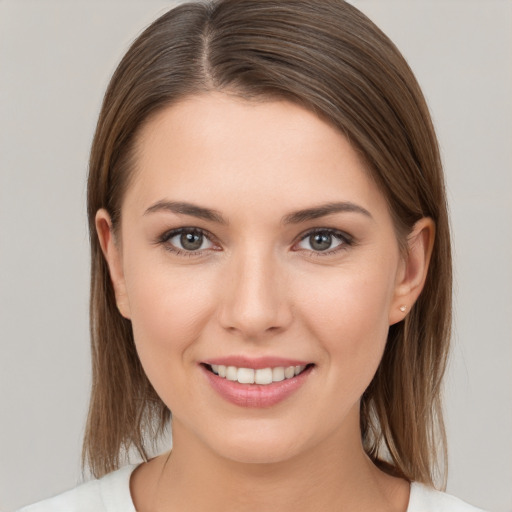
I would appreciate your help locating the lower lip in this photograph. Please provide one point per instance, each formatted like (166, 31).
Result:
(256, 395)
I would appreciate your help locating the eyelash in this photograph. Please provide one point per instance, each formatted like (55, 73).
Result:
(345, 239)
(168, 235)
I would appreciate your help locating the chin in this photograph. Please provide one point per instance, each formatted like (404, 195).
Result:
(260, 447)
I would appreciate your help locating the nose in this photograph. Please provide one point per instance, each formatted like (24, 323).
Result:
(256, 301)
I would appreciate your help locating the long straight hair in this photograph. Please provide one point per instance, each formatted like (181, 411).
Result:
(330, 58)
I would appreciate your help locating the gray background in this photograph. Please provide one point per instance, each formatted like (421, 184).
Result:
(55, 61)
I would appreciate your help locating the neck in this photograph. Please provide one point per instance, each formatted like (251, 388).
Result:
(336, 475)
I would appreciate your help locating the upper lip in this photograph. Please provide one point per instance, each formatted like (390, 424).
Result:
(256, 363)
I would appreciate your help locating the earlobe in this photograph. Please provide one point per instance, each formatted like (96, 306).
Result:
(113, 257)
(413, 273)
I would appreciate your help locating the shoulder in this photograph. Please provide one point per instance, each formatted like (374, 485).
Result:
(426, 499)
(108, 494)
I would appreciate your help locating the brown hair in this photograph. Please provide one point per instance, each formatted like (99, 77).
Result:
(330, 58)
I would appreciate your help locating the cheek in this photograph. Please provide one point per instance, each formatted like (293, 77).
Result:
(348, 315)
(169, 308)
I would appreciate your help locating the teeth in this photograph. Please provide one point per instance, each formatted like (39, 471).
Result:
(231, 373)
(289, 372)
(245, 376)
(259, 376)
(278, 374)
(263, 376)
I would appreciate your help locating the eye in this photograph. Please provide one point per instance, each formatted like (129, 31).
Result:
(186, 240)
(326, 241)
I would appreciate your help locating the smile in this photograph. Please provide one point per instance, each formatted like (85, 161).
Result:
(259, 383)
(262, 376)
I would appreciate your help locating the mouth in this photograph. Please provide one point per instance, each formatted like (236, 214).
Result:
(259, 376)
(259, 382)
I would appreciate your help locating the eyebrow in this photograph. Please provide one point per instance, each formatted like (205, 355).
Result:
(187, 209)
(184, 208)
(323, 210)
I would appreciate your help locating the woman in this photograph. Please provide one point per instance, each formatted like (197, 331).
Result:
(271, 264)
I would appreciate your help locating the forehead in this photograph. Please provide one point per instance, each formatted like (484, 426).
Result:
(216, 148)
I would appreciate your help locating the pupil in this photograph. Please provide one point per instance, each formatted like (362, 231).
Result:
(191, 241)
(320, 241)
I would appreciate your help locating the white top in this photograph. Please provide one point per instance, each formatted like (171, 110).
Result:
(112, 494)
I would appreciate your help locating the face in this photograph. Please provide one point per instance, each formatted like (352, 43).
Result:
(254, 246)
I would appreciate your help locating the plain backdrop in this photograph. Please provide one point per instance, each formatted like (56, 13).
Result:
(55, 60)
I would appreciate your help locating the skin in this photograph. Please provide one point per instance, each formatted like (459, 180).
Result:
(258, 287)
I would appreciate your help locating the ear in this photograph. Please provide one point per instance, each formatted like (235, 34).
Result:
(413, 269)
(112, 253)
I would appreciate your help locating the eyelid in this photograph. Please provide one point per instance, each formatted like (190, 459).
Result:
(346, 239)
(165, 237)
